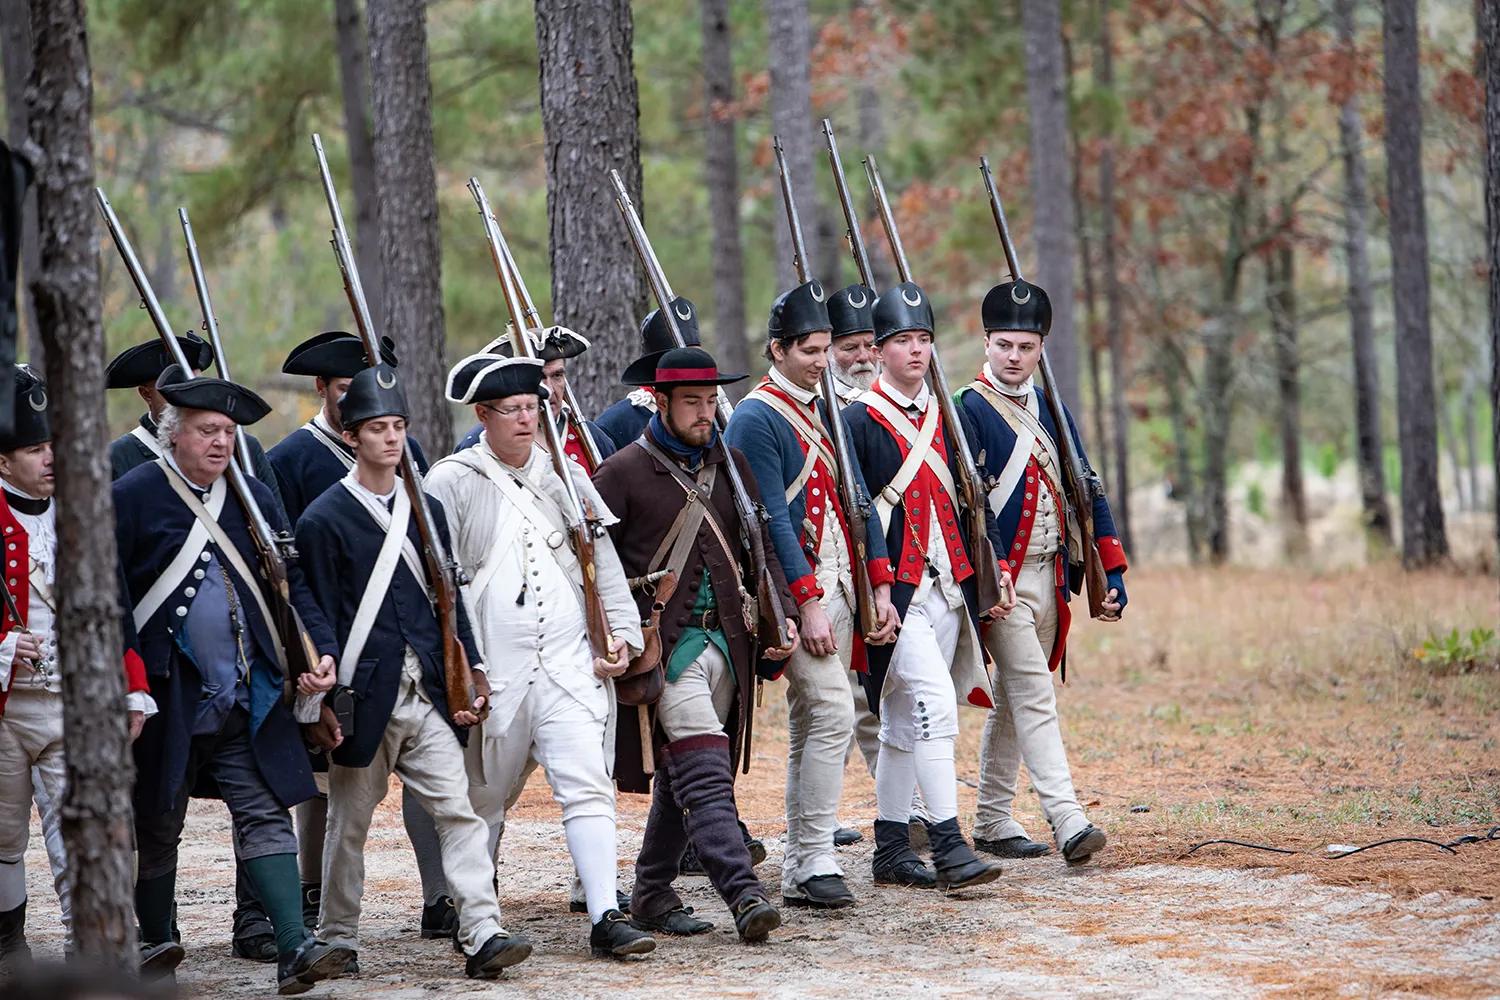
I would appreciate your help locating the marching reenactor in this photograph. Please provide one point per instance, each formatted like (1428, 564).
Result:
(915, 686)
(217, 671)
(309, 461)
(558, 344)
(625, 420)
(1017, 431)
(781, 429)
(32, 762)
(708, 646)
(360, 545)
(553, 701)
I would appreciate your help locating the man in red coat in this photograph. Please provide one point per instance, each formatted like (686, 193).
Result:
(32, 763)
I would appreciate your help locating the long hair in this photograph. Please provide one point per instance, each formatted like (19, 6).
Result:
(168, 426)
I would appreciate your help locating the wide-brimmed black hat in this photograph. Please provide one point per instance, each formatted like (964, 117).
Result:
(335, 354)
(555, 343)
(31, 424)
(373, 392)
(679, 366)
(144, 363)
(798, 312)
(901, 307)
(1018, 306)
(483, 378)
(850, 310)
(201, 392)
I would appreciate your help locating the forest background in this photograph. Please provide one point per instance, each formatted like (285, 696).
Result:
(1208, 217)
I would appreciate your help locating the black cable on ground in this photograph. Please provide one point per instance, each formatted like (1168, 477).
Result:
(1492, 836)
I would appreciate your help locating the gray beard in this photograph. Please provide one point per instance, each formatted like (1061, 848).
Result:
(864, 381)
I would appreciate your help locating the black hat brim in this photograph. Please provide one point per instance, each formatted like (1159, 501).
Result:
(144, 363)
(234, 401)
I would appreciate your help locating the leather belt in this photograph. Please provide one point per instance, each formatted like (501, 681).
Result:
(709, 621)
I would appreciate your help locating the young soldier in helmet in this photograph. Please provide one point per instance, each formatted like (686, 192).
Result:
(1017, 431)
(308, 461)
(625, 420)
(782, 432)
(915, 687)
(362, 549)
(558, 345)
(554, 697)
(708, 645)
(32, 761)
(217, 669)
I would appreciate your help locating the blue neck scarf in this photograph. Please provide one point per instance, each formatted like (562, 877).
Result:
(687, 454)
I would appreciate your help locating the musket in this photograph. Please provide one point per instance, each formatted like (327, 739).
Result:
(211, 327)
(971, 489)
(752, 516)
(1080, 486)
(582, 524)
(442, 570)
(533, 318)
(852, 235)
(274, 548)
(856, 504)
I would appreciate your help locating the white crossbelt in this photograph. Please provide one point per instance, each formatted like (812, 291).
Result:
(146, 438)
(812, 438)
(186, 558)
(323, 433)
(919, 440)
(396, 546)
(539, 509)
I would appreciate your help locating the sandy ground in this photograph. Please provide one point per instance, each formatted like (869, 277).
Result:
(1210, 724)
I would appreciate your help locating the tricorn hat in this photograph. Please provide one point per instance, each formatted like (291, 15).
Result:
(849, 309)
(1018, 306)
(679, 366)
(555, 343)
(482, 378)
(31, 424)
(335, 354)
(144, 363)
(901, 307)
(373, 392)
(801, 311)
(204, 393)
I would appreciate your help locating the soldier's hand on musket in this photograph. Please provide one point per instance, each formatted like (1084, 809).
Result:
(1114, 602)
(615, 664)
(136, 721)
(1007, 603)
(793, 640)
(886, 615)
(326, 733)
(476, 713)
(817, 630)
(320, 679)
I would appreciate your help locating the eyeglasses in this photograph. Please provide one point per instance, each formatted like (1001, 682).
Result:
(511, 412)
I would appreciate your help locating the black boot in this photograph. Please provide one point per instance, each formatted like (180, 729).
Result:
(957, 866)
(679, 923)
(702, 782)
(313, 961)
(253, 937)
(615, 937)
(895, 863)
(1083, 845)
(160, 958)
(755, 918)
(312, 900)
(846, 835)
(753, 845)
(13, 948)
(1011, 847)
(499, 952)
(440, 919)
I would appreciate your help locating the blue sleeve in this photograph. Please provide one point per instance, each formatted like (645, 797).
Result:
(418, 456)
(751, 431)
(265, 471)
(991, 526)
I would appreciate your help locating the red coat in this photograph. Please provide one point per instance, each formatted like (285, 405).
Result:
(18, 582)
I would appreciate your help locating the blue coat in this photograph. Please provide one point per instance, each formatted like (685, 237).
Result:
(306, 468)
(880, 457)
(126, 452)
(151, 525)
(623, 422)
(338, 542)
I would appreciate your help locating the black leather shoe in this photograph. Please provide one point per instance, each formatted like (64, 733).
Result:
(755, 847)
(352, 969)
(253, 937)
(755, 919)
(312, 900)
(844, 836)
(678, 922)
(622, 903)
(824, 892)
(895, 863)
(158, 959)
(499, 952)
(13, 948)
(312, 962)
(1012, 847)
(957, 865)
(1083, 845)
(439, 919)
(615, 936)
(690, 865)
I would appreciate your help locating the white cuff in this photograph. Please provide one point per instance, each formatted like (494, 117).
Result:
(140, 701)
(7, 656)
(309, 708)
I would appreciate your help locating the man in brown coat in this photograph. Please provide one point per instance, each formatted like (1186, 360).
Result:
(700, 724)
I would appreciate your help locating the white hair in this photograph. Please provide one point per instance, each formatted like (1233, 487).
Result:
(168, 426)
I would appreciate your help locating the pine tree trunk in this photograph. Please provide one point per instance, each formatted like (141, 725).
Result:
(97, 823)
(411, 243)
(15, 49)
(591, 116)
(1183, 490)
(792, 119)
(721, 170)
(1490, 35)
(355, 88)
(1090, 300)
(1114, 305)
(1369, 450)
(1424, 540)
(1052, 226)
(1281, 302)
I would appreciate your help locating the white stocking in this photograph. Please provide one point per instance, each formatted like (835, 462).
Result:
(932, 761)
(591, 841)
(895, 781)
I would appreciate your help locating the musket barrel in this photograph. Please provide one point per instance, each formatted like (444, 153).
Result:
(852, 234)
(883, 204)
(1012, 259)
(211, 326)
(344, 251)
(799, 245)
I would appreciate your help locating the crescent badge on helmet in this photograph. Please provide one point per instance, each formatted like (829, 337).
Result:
(911, 298)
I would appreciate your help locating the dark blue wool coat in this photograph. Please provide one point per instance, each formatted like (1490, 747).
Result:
(306, 468)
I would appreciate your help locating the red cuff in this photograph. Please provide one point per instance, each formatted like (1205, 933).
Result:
(881, 572)
(805, 589)
(135, 673)
(1111, 554)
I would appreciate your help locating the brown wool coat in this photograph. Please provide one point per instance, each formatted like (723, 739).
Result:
(647, 499)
